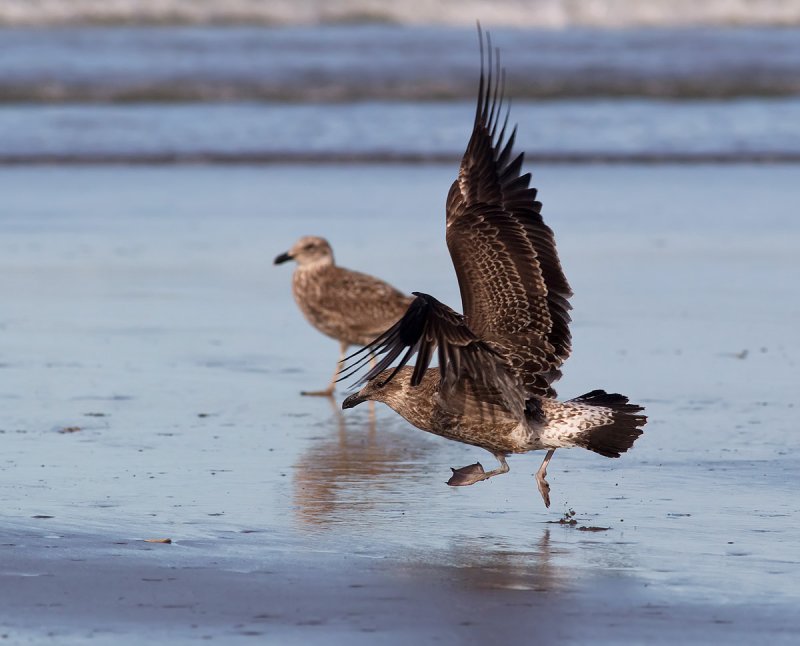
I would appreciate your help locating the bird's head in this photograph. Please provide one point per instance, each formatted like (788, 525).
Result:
(376, 390)
(308, 250)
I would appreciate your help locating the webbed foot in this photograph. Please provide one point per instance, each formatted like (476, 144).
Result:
(544, 489)
(467, 475)
(541, 483)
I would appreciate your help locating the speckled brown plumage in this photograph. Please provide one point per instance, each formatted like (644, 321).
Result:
(346, 305)
(513, 290)
(493, 427)
(497, 362)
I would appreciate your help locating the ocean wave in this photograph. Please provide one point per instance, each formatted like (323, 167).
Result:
(623, 130)
(341, 92)
(345, 64)
(533, 13)
(226, 91)
(217, 158)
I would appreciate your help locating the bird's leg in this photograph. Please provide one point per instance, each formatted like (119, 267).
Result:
(474, 473)
(544, 487)
(328, 392)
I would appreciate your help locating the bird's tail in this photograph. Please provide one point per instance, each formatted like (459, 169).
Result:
(623, 423)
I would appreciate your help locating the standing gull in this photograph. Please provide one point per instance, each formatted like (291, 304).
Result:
(346, 305)
(498, 361)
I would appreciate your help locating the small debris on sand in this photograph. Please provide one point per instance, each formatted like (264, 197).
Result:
(567, 519)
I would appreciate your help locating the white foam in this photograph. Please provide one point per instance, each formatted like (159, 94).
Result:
(531, 13)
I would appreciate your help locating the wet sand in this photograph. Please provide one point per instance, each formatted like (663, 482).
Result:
(150, 367)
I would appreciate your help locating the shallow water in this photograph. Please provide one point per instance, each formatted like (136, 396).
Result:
(142, 307)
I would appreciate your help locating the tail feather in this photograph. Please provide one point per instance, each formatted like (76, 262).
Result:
(620, 432)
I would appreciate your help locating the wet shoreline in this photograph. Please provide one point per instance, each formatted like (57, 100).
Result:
(150, 384)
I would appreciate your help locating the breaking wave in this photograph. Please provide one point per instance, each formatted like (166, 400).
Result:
(616, 130)
(283, 158)
(383, 63)
(344, 92)
(553, 14)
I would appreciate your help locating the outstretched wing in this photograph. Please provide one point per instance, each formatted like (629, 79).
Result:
(430, 326)
(513, 290)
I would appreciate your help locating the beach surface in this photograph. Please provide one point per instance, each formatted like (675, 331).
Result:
(150, 369)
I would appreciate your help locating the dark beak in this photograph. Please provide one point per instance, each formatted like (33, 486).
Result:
(283, 258)
(353, 400)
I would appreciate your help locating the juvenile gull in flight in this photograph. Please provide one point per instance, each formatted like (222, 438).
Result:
(498, 361)
(346, 305)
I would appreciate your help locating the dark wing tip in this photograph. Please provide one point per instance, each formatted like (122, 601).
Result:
(406, 337)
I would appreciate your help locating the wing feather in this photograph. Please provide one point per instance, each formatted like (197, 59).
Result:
(504, 254)
(514, 334)
(429, 325)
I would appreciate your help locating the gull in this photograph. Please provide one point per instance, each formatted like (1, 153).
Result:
(346, 305)
(497, 361)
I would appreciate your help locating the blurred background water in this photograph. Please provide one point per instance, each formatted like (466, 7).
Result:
(360, 80)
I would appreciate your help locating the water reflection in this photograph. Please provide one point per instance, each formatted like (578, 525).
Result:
(355, 467)
(485, 562)
(542, 590)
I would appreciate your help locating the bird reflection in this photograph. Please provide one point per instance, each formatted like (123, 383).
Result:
(525, 591)
(483, 562)
(354, 468)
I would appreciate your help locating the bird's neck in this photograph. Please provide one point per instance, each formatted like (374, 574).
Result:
(313, 266)
(415, 403)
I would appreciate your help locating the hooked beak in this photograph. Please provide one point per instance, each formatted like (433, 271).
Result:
(283, 258)
(353, 400)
